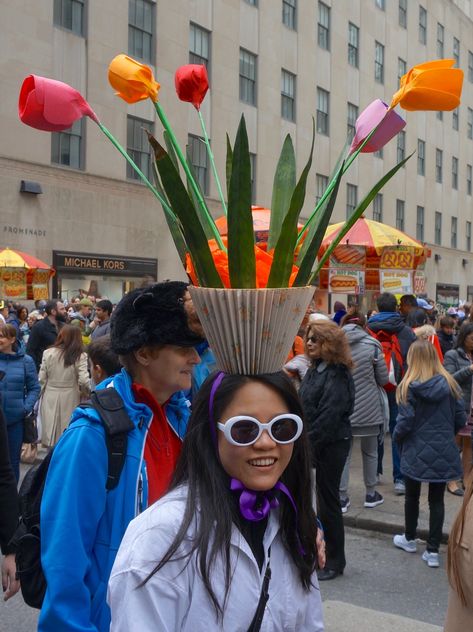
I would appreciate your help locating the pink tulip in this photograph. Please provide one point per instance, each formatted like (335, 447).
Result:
(51, 105)
(375, 114)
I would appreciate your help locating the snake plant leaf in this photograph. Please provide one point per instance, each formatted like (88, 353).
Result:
(241, 238)
(357, 213)
(170, 149)
(228, 166)
(183, 207)
(319, 227)
(283, 256)
(283, 188)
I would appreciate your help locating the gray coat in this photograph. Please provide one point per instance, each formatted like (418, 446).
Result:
(458, 364)
(370, 372)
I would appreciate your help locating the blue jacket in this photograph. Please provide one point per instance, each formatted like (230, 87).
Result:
(82, 524)
(425, 431)
(20, 387)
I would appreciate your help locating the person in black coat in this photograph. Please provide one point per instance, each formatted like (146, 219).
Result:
(8, 515)
(328, 394)
(45, 332)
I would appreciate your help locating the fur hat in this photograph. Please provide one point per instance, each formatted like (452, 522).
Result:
(152, 315)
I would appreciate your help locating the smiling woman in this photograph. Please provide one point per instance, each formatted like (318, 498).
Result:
(239, 507)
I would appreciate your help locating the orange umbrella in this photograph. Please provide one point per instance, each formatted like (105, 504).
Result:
(16, 259)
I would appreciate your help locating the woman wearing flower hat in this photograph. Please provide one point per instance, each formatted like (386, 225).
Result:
(232, 546)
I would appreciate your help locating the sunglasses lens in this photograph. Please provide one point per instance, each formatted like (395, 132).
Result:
(312, 339)
(244, 431)
(284, 430)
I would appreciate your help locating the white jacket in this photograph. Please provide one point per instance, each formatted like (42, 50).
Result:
(175, 599)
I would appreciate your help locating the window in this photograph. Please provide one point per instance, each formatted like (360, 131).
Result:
(440, 39)
(289, 14)
(400, 205)
(378, 208)
(468, 236)
(253, 3)
(69, 14)
(401, 146)
(288, 95)
(420, 157)
(381, 4)
(352, 199)
(455, 122)
(378, 62)
(469, 123)
(67, 146)
(438, 165)
(440, 115)
(353, 43)
(453, 235)
(140, 29)
(420, 223)
(197, 152)
(321, 183)
(454, 172)
(456, 51)
(199, 46)
(323, 105)
(438, 228)
(138, 147)
(247, 77)
(253, 177)
(323, 26)
(401, 68)
(403, 13)
(470, 66)
(422, 25)
(379, 153)
(469, 177)
(352, 115)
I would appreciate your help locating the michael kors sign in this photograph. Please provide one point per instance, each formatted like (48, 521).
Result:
(74, 262)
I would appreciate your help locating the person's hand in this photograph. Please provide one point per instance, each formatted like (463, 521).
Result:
(10, 584)
(320, 542)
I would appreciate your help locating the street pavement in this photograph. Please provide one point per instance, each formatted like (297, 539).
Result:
(383, 589)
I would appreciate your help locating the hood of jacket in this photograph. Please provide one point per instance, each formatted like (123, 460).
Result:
(435, 390)
(12, 356)
(355, 333)
(388, 321)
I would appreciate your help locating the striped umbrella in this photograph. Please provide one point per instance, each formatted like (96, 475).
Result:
(16, 259)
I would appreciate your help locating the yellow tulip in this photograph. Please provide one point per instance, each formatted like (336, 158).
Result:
(435, 85)
(132, 81)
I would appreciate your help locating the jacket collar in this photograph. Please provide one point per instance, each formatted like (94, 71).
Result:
(321, 366)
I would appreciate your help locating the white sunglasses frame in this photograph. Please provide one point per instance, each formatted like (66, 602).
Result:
(226, 428)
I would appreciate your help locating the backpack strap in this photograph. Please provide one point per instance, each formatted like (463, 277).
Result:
(117, 424)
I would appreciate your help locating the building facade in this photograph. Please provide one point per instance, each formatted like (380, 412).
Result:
(280, 63)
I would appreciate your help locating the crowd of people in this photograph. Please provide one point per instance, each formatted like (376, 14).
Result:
(224, 499)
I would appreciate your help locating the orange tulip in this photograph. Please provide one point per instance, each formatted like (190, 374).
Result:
(435, 85)
(132, 81)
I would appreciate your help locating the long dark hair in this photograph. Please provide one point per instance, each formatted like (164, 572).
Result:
(208, 487)
(465, 330)
(69, 341)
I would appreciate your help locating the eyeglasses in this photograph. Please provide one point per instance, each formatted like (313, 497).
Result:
(312, 339)
(243, 430)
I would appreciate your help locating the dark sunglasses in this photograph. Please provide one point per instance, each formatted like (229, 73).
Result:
(312, 339)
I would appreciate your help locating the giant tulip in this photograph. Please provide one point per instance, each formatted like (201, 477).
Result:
(132, 81)
(51, 105)
(192, 83)
(376, 114)
(435, 85)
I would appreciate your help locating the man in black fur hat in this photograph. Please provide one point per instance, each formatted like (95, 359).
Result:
(82, 523)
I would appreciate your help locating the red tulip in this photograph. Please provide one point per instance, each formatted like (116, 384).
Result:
(192, 83)
(51, 105)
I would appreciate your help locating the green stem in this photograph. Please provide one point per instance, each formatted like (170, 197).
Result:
(331, 185)
(185, 166)
(130, 161)
(212, 161)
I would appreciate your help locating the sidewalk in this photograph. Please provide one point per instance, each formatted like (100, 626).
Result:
(389, 517)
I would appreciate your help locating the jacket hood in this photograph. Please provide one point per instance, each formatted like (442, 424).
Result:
(17, 354)
(355, 333)
(435, 389)
(389, 321)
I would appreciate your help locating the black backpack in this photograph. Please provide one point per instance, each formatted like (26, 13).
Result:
(27, 538)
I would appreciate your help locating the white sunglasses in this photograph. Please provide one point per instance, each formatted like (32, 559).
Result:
(243, 430)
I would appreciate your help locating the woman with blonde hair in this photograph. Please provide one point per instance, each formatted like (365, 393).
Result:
(431, 412)
(328, 394)
(459, 568)
(64, 377)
